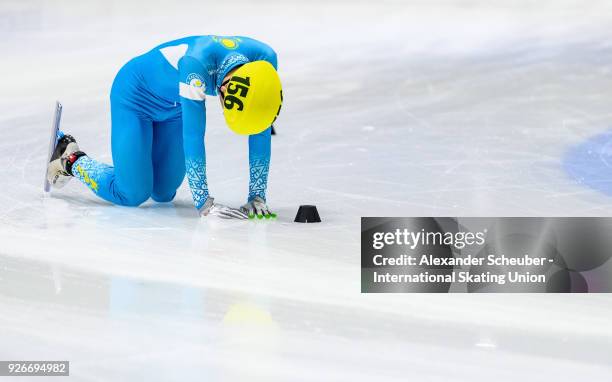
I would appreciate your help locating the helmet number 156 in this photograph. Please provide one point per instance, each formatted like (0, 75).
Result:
(237, 88)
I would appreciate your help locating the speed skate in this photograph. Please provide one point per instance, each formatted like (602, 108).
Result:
(53, 139)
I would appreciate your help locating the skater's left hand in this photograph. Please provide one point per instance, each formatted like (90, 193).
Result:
(258, 207)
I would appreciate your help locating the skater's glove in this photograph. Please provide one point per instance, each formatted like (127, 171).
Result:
(215, 209)
(257, 207)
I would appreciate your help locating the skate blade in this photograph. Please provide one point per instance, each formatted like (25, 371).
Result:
(53, 141)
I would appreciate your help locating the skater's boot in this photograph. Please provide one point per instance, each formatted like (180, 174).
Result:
(66, 153)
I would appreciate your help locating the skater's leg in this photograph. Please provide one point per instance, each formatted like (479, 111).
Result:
(131, 144)
(130, 181)
(168, 159)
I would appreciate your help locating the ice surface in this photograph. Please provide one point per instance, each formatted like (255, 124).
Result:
(407, 108)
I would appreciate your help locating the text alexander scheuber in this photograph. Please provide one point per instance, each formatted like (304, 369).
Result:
(459, 240)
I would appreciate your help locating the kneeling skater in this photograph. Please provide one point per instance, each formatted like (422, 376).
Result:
(158, 117)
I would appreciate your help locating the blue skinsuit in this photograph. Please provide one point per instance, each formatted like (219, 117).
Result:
(158, 116)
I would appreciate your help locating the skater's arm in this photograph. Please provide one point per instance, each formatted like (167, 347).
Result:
(191, 90)
(259, 163)
(259, 144)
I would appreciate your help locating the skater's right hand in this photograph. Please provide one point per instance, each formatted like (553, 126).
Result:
(220, 210)
(257, 207)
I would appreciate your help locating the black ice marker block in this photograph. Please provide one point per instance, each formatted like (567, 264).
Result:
(307, 214)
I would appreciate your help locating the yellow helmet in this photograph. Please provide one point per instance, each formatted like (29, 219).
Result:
(253, 98)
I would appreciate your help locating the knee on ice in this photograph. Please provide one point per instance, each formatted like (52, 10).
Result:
(135, 199)
(161, 198)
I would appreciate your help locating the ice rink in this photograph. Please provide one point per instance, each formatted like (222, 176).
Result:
(392, 108)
